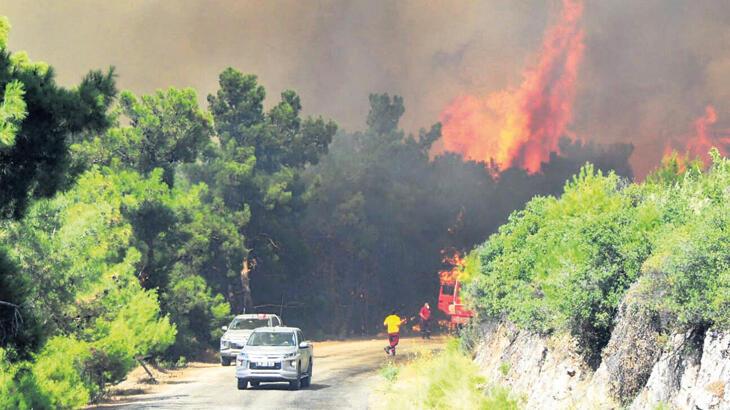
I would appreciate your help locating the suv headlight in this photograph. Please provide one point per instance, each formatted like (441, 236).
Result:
(289, 355)
(241, 359)
(225, 344)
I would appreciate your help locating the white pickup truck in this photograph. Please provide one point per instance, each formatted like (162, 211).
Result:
(238, 331)
(276, 354)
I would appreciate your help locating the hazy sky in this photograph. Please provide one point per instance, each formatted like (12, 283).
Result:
(650, 66)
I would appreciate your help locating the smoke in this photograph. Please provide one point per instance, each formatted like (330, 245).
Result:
(649, 68)
(333, 53)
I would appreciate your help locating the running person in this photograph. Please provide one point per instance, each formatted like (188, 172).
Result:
(393, 323)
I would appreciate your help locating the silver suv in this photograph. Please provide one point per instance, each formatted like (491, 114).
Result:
(275, 354)
(238, 331)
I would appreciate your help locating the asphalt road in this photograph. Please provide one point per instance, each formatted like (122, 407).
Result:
(345, 374)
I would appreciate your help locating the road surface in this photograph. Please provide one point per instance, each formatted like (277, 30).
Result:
(345, 373)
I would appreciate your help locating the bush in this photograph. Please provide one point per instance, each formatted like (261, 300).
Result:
(197, 313)
(565, 263)
(390, 372)
(445, 380)
(690, 268)
(504, 368)
(18, 386)
(58, 370)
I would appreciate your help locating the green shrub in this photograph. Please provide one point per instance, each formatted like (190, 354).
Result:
(197, 313)
(690, 268)
(565, 263)
(18, 386)
(58, 370)
(444, 380)
(389, 371)
(469, 336)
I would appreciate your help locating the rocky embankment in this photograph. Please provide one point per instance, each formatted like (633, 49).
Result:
(641, 367)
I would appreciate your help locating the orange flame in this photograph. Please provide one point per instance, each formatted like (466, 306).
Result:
(704, 139)
(520, 127)
(455, 262)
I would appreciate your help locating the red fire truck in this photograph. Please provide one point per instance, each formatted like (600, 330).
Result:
(449, 294)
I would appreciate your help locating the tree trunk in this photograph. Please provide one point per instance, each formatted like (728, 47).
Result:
(234, 298)
(246, 285)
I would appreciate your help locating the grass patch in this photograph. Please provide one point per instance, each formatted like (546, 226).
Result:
(504, 368)
(390, 372)
(443, 380)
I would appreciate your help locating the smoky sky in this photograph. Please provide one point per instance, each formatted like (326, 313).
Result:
(650, 66)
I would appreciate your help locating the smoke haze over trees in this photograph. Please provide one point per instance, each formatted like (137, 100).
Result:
(382, 214)
(649, 69)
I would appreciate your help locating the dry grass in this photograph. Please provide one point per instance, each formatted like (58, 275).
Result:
(717, 388)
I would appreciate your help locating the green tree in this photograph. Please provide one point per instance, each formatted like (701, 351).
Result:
(85, 310)
(254, 172)
(185, 243)
(672, 168)
(37, 120)
(165, 129)
(12, 113)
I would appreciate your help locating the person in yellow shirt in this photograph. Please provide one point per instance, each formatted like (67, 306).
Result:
(393, 323)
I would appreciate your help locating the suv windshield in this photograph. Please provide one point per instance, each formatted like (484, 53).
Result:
(241, 324)
(272, 339)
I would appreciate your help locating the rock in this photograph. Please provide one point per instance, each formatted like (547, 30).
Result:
(545, 370)
(689, 370)
(634, 347)
(694, 372)
(674, 371)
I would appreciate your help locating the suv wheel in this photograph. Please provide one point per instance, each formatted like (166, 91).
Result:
(308, 380)
(225, 361)
(296, 384)
(242, 384)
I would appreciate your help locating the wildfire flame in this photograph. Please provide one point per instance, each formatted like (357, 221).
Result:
(704, 138)
(455, 262)
(520, 127)
(672, 157)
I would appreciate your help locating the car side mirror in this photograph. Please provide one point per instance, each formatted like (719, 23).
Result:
(224, 328)
(304, 345)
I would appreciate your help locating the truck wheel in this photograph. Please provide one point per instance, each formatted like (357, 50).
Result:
(308, 380)
(296, 384)
(242, 384)
(225, 361)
